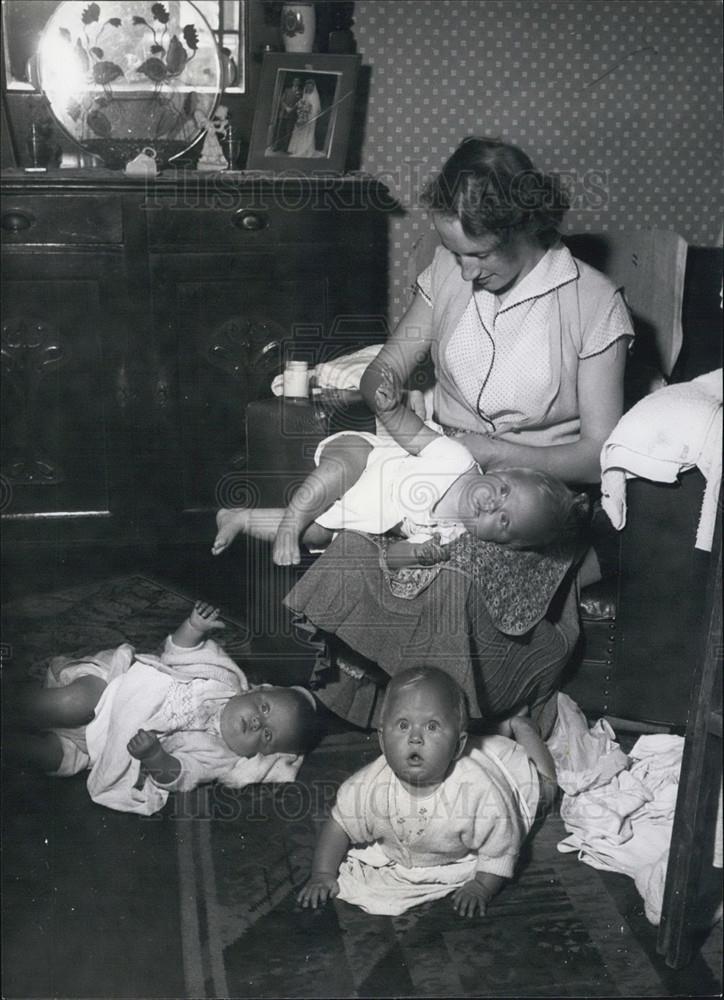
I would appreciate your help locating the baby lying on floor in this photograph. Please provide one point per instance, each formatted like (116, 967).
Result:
(423, 487)
(435, 816)
(147, 725)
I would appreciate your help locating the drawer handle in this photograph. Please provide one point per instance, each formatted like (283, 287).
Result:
(15, 222)
(251, 221)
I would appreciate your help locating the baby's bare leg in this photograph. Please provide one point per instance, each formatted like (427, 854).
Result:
(262, 522)
(72, 705)
(340, 465)
(41, 750)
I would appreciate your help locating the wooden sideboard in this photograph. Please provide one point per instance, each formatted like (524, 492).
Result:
(140, 317)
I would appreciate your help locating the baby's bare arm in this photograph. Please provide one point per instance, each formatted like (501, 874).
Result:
(203, 618)
(526, 733)
(322, 884)
(404, 553)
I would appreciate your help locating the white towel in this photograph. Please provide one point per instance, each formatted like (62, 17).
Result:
(668, 432)
(618, 810)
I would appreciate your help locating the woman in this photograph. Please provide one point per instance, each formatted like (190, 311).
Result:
(528, 344)
(308, 108)
(529, 347)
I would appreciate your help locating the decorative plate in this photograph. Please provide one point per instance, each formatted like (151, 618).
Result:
(122, 75)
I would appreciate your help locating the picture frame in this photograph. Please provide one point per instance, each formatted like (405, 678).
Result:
(304, 113)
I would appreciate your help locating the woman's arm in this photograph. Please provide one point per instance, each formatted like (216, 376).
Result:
(600, 394)
(406, 349)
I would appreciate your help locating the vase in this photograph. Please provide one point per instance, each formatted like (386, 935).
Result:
(298, 25)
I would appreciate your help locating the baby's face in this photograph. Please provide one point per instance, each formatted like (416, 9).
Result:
(504, 506)
(420, 735)
(264, 721)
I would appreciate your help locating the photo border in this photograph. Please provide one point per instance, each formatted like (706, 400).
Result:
(347, 67)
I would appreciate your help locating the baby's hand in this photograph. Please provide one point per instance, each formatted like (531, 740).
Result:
(388, 395)
(506, 727)
(470, 898)
(143, 745)
(205, 617)
(432, 551)
(318, 890)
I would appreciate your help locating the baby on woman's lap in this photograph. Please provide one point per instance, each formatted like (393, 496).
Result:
(423, 488)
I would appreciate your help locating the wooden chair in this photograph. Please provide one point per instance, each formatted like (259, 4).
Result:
(693, 885)
(632, 619)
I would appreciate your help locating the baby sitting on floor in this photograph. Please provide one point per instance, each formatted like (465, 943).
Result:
(420, 485)
(436, 816)
(147, 725)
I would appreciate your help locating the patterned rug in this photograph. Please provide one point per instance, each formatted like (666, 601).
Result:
(89, 618)
(557, 930)
(560, 929)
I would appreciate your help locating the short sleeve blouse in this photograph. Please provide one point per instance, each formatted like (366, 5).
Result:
(510, 367)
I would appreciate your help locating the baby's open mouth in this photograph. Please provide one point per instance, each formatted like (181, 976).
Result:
(414, 758)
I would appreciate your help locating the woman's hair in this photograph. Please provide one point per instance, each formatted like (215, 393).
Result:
(493, 188)
(569, 512)
(434, 677)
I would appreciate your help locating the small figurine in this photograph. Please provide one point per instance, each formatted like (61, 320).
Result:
(212, 155)
(221, 123)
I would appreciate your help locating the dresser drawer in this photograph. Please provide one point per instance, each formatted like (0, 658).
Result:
(72, 220)
(240, 225)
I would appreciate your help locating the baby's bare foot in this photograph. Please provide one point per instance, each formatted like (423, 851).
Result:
(285, 551)
(229, 522)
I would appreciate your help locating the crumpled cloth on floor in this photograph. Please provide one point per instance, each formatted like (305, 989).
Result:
(448, 625)
(666, 433)
(617, 808)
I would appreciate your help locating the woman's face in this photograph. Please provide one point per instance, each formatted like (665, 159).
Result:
(482, 260)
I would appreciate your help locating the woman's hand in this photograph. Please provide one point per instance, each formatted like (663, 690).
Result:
(483, 449)
(388, 395)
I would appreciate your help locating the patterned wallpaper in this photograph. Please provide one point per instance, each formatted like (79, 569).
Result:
(623, 97)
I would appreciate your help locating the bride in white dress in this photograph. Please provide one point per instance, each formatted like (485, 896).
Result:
(308, 109)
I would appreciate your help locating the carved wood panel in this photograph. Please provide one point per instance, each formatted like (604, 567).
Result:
(62, 360)
(234, 319)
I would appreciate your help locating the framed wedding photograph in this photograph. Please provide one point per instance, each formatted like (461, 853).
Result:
(304, 113)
